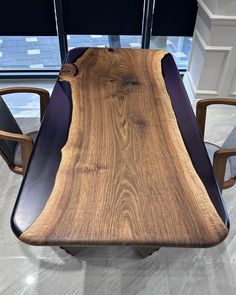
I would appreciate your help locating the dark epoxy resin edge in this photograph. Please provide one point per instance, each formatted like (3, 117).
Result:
(191, 135)
(58, 115)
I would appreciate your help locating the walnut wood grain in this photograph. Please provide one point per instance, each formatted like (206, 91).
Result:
(125, 177)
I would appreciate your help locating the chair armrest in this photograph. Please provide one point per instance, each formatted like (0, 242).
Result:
(219, 163)
(26, 145)
(43, 94)
(202, 107)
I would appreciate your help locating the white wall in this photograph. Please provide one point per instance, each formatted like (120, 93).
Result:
(212, 66)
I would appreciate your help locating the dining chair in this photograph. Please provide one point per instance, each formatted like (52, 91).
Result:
(16, 147)
(223, 158)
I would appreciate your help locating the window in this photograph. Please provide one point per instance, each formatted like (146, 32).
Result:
(115, 41)
(179, 47)
(29, 53)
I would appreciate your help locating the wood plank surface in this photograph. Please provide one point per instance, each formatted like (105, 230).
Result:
(125, 177)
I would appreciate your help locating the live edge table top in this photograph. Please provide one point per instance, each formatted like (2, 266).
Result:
(114, 162)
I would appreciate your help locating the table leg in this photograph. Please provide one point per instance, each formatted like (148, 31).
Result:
(143, 251)
(146, 251)
(72, 250)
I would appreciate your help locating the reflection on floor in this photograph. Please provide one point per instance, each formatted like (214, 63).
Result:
(117, 270)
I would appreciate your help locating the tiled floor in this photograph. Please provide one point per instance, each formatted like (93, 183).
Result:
(117, 270)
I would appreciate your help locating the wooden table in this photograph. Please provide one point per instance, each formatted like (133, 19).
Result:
(119, 159)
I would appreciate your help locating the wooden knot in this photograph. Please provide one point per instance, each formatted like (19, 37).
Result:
(68, 71)
(140, 123)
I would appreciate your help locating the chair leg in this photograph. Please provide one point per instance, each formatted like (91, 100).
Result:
(146, 251)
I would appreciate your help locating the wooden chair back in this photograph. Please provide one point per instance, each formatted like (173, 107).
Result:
(8, 124)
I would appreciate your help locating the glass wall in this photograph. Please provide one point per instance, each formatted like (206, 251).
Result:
(114, 41)
(42, 53)
(79, 19)
(179, 47)
(29, 53)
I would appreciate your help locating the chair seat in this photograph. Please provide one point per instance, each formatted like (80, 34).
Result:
(211, 149)
(17, 156)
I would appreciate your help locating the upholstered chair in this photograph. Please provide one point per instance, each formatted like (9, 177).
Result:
(16, 147)
(223, 158)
